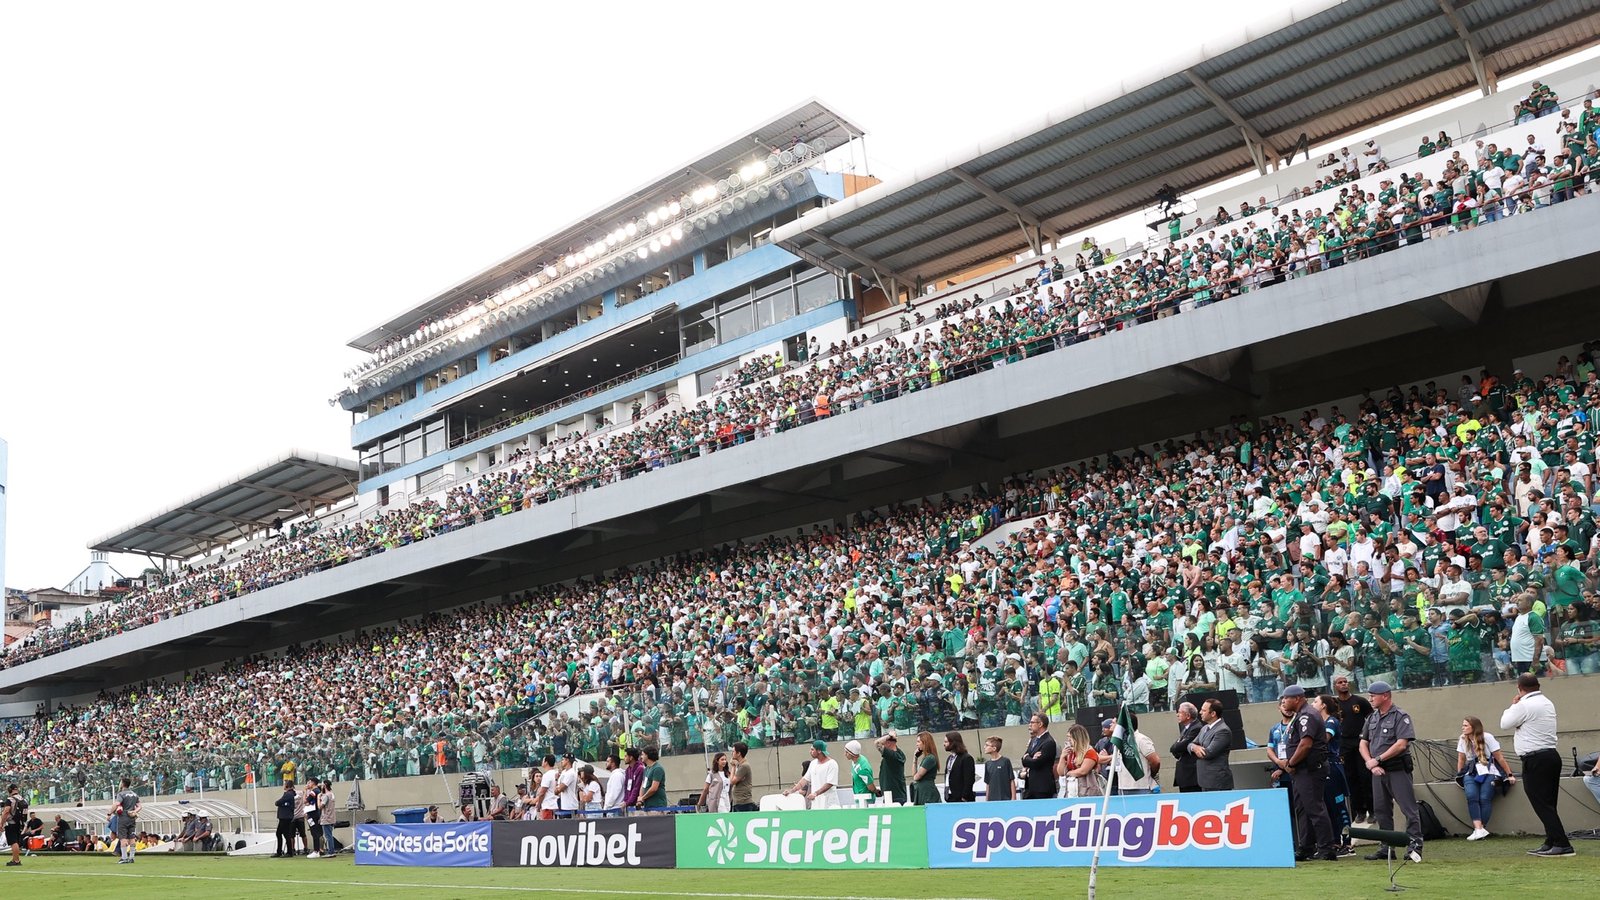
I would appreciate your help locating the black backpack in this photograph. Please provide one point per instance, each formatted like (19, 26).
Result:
(1432, 828)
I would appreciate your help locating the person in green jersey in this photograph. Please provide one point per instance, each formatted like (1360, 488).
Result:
(1567, 580)
(860, 772)
(653, 793)
(1578, 637)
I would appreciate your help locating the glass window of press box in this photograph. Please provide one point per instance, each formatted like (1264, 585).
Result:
(774, 299)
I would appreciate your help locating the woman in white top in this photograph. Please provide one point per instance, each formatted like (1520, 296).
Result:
(591, 792)
(714, 797)
(1480, 765)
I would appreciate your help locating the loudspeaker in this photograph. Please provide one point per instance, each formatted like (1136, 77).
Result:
(1230, 711)
(1090, 718)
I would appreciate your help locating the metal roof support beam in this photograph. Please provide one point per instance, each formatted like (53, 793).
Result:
(1026, 220)
(224, 517)
(1488, 77)
(880, 271)
(1260, 151)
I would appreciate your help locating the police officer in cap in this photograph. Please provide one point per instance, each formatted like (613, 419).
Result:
(1386, 751)
(1307, 764)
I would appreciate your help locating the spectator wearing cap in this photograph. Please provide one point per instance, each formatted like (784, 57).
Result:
(567, 801)
(819, 785)
(188, 835)
(861, 784)
(1386, 752)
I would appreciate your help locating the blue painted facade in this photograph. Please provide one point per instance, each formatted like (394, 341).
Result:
(715, 356)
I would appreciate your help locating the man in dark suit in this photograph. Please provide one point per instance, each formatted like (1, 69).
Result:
(1211, 748)
(961, 774)
(1188, 730)
(1039, 760)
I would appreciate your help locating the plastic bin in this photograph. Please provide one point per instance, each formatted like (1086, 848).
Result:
(410, 815)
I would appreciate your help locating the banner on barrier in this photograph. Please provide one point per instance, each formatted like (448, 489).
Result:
(462, 844)
(881, 838)
(1245, 829)
(644, 842)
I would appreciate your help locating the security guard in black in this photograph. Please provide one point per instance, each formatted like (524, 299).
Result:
(1307, 743)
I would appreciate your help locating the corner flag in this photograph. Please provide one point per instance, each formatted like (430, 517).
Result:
(1122, 740)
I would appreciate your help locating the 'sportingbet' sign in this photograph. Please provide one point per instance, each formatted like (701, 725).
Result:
(1205, 830)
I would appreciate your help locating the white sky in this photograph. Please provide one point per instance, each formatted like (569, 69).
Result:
(203, 201)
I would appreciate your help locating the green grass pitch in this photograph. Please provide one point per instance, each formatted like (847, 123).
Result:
(1451, 869)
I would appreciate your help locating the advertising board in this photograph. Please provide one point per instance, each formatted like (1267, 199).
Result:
(880, 838)
(1243, 829)
(639, 842)
(463, 844)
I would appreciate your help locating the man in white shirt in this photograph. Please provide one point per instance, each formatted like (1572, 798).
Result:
(545, 799)
(1456, 590)
(1493, 177)
(1534, 718)
(1372, 155)
(1152, 764)
(1527, 635)
(820, 782)
(567, 801)
(1231, 667)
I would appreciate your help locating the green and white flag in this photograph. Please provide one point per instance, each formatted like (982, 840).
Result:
(1123, 741)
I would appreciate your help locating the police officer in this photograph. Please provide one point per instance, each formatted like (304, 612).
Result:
(1307, 764)
(1386, 751)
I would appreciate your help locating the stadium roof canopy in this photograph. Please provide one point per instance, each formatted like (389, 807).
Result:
(294, 484)
(1318, 70)
(811, 122)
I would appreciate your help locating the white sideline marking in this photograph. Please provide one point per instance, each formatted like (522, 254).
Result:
(477, 887)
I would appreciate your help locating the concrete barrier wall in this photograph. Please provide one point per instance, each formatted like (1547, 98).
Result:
(1436, 713)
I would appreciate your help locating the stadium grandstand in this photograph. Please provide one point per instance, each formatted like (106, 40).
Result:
(769, 452)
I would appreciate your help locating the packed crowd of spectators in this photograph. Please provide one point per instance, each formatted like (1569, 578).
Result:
(1436, 535)
(1052, 310)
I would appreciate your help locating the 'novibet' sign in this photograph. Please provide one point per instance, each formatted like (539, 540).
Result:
(891, 838)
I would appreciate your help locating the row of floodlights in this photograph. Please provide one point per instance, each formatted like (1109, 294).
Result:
(665, 226)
